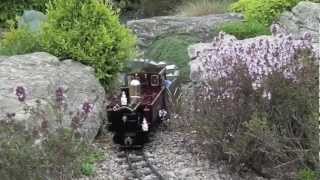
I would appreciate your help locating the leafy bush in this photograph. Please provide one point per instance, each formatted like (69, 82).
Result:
(263, 11)
(243, 30)
(9, 9)
(36, 151)
(19, 41)
(203, 7)
(173, 49)
(257, 105)
(90, 32)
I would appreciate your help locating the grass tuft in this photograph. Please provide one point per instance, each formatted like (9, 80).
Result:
(203, 7)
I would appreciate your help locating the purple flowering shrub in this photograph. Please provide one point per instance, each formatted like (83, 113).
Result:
(257, 104)
(40, 151)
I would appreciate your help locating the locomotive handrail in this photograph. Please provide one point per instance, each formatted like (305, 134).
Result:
(155, 99)
(126, 107)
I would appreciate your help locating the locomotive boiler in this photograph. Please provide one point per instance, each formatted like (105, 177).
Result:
(141, 104)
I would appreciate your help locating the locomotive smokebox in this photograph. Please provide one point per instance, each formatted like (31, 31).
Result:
(135, 91)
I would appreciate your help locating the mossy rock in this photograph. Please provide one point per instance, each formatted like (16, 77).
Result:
(173, 49)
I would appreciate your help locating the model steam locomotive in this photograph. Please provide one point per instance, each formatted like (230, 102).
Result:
(142, 102)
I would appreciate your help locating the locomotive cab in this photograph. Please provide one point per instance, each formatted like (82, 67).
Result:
(140, 105)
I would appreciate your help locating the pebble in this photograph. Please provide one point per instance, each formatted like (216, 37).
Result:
(168, 154)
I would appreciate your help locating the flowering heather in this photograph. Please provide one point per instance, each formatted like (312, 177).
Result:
(261, 56)
(60, 96)
(257, 103)
(87, 107)
(21, 93)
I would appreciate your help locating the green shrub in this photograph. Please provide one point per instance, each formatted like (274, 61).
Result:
(9, 9)
(243, 30)
(307, 174)
(262, 11)
(88, 31)
(173, 50)
(203, 7)
(19, 41)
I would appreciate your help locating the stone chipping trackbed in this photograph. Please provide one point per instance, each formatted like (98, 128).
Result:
(164, 158)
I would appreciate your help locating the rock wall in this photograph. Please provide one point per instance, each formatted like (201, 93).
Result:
(147, 30)
(41, 74)
(304, 17)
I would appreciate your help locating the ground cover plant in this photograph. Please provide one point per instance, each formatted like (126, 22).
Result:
(246, 29)
(39, 151)
(173, 50)
(203, 7)
(257, 105)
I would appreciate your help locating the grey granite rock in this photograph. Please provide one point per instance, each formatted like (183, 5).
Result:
(41, 74)
(304, 17)
(147, 30)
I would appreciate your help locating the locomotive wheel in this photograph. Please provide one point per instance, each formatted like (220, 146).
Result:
(118, 139)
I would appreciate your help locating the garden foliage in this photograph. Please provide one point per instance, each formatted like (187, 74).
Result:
(20, 41)
(9, 9)
(263, 11)
(38, 151)
(257, 104)
(173, 49)
(88, 31)
(247, 29)
(203, 7)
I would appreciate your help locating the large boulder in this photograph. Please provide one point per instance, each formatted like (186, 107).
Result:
(32, 20)
(304, 17)
(150, 29)
(41, 74)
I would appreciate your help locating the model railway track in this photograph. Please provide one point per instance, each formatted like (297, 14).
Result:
(139, 165)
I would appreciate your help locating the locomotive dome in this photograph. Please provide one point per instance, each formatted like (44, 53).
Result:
(135, 82)
(135, 90)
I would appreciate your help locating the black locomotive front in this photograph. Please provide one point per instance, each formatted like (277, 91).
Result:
(129, 125)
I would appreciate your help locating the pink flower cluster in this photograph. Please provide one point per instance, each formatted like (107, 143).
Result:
(261, 56)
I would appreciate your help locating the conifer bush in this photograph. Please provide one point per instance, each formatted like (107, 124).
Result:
(88, 31)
